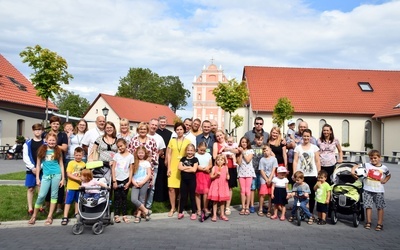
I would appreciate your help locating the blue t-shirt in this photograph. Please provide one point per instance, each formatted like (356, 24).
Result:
(50, 165)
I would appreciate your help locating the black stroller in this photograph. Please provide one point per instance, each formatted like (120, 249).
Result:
(347, 192)
(96, 214)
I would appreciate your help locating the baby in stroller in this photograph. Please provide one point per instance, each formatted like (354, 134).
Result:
(92, 195)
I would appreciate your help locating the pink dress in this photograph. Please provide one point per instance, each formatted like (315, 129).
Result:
(219, 189)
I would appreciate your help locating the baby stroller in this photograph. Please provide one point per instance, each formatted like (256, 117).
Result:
(94, 212)
(347, 192)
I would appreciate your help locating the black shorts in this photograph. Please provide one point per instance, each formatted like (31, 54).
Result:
(322, 208)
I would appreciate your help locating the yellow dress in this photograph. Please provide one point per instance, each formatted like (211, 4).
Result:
(178, 149)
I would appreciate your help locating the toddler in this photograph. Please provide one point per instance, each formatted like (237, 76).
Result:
(322, 196)
(301, 192)
(279, 193)
(88, 181)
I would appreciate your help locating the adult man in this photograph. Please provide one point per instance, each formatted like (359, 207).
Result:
(161, 187)
(188, 135)
(196, 127)
(214, 126)
(153, 124)
(92, 134)
(258, 128)
(206, 136)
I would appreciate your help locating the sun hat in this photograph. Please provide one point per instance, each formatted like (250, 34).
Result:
(291, 121)
(282, 170)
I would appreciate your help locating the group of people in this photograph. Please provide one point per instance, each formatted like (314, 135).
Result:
(196, 160)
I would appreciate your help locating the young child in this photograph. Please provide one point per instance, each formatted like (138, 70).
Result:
(231, 145)
(257, 148)
(280, 193)
(219, 189)
(322, 196)
(267, 168)
(203, 180)
(30, 150)
(291, 127)
(74, 179)
(121, 179)
(141, 179)
(245, 173)
(301, 192)
(88, 181)
(50, 159)
(188, 167)
(377, 175)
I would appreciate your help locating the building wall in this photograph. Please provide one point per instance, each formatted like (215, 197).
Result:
(8, 130)
(356, 127)
(391, 136)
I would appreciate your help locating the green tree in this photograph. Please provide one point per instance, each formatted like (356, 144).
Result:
(50, 71)
(283, 110)
(230, 96)
(145, 85)
(75, 104)
(174, 92)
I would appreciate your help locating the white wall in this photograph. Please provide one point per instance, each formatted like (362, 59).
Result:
(356, 133)
(391, 137)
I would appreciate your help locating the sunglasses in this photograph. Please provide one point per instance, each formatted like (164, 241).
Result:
(259, 123)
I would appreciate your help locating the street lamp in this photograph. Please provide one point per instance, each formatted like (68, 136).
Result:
(105, 112)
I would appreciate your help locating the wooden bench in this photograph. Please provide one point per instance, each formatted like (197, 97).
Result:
(391, 159)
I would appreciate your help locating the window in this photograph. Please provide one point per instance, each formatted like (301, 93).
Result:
(20, 127)
(345, 131)
(365, 86)
(322, 122)
(368, 133)
(16, 83)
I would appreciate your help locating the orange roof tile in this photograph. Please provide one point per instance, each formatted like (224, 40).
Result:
(334, 91)
(138, 111)
(10, 92)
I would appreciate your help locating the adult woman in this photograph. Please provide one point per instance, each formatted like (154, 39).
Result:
(75, 140)
(328, 144)
(306, 159)
(175, 151)
(142, 139)
(106, 147)
(275, 142)
(124, 131)
(220, 147)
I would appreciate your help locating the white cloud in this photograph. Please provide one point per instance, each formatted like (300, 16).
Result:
(101, 40)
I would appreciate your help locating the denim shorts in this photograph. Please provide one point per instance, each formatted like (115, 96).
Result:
(255, 184)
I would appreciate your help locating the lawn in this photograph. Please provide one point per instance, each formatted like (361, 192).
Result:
(14, 205)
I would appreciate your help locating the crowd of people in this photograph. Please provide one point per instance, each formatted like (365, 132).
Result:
(197, 161)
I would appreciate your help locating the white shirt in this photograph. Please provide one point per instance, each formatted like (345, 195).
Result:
(160, 144)
(90, 137)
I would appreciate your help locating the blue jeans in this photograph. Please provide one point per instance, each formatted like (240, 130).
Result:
(48, 182)
(303, 205)
(150, 191)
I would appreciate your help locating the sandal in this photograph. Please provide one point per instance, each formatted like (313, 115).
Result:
(137, 219)
(64, 221)
(171, 213)
(125, 219)
(379, 227)
(117, 219)
(242, 212)
(48, 221)
(247, 211)
(214, 219)
(282, 218)
(291, 219)
(321, 222)
(274, 217)
(269, 215)
(368, 225)
(32, 221)
(310, 221)
(147, 217)
(228, 211)
(224, 218)
(260, 213)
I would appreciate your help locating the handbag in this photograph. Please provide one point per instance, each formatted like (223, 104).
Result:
(94, 155)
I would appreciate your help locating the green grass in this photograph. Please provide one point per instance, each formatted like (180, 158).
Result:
(13, 176)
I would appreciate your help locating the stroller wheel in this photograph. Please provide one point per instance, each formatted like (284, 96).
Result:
(112, 218)
(77, 228)
(334, 217)
(97, 228)
(356, 219)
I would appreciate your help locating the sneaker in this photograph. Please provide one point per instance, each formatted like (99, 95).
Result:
(252, 210)
(193, 216)
(180, 216)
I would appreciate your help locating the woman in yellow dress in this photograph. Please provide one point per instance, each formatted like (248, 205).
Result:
(175, 151)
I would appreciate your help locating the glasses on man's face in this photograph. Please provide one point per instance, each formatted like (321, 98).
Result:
(259, 123)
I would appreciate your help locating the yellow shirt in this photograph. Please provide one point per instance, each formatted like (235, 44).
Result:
(75, 169)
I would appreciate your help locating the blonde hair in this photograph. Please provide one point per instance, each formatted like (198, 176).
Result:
(279, 140)
(142, 124)
(221, 156)
(87, 175)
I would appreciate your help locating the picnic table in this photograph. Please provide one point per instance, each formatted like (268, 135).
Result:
(354, 155)
(4, 149)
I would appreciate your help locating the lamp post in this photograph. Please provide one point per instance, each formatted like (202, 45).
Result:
(105, 112)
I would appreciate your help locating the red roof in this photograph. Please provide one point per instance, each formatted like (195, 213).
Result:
(15, 88)
(334, 91)
(137, 111)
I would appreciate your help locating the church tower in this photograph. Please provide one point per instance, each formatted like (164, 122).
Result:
(204, 105)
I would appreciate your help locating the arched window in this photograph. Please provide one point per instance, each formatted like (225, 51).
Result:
(368, 134)
(20, 127)
(322, 122)
(345, 132)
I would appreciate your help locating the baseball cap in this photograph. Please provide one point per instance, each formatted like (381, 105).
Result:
(282, 170)
(291, 121)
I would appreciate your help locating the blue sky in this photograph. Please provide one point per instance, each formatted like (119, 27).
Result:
(101, 40)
